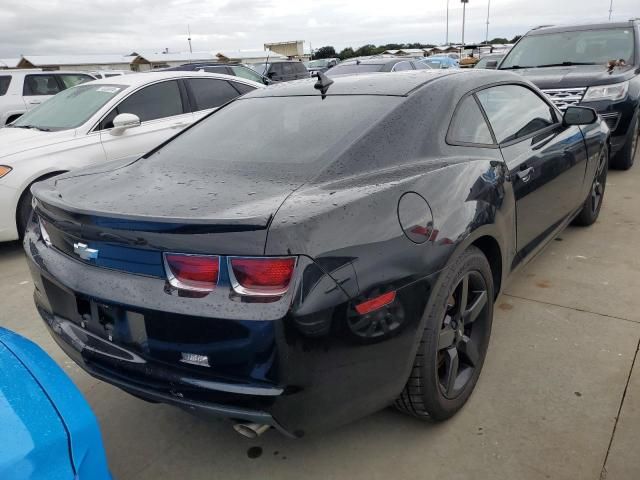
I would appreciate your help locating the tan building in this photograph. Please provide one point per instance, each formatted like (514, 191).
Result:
(293, 49)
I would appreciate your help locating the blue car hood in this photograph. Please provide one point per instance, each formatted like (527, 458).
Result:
(47, 429)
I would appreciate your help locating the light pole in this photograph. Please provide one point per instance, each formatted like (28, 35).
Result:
(464, 15)
(447, 41)
(488, 11)
(610, 10)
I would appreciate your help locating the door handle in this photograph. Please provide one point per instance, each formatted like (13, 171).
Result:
(525, 174)
(35, 102)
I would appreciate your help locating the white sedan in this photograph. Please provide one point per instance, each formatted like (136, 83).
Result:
(99, 121)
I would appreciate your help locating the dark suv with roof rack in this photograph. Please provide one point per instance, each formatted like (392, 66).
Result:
(596, 66)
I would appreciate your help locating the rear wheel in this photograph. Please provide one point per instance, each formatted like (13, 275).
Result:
(454, 342)
(592, 205)
(625, 157)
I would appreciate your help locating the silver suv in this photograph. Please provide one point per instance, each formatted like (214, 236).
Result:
(21, 90)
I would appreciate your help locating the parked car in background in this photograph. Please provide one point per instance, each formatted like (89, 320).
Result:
(233, 69)
(208, 274)
(47, 428)
(96, 122)
(281, 71)
(99, 74)
(438, 63)
(321, 65)
(490, 61)
(22, 90)
(594, 65)
(376, 65)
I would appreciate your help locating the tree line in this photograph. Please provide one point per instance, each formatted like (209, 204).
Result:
(369, 49)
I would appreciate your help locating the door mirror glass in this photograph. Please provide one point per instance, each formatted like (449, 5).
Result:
(124, 121)
(579, 116)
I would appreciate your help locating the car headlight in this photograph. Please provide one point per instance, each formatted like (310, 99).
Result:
(616, 91)
(4, 169)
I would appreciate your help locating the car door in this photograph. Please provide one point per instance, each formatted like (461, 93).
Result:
(162, 112)
(208, 94)
(39, 87)
(546, 160)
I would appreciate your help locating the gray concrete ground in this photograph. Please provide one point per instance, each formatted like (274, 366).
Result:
(559, 397)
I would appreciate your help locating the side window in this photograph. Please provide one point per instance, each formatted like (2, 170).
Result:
(71, 80)
(515, 111)
(288, 69)
(242, 87)
(468, 124)
(210, 93)
(40, 85)
(399, 67)
(300, 68)
(421, 66)
(155, 101)
(5, 80)
(222, 70)
(276, 69)
(247, 73)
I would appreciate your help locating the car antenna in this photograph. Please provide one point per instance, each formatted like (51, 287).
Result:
(323, 84)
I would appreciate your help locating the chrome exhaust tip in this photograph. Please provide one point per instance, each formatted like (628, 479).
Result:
(251, 430)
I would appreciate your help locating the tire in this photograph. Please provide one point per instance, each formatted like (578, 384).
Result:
(624, 159)
(592, 205)
(24, 212)
(428, 393)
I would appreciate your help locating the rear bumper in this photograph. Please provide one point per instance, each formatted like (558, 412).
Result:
(299, 370)
(170, 393)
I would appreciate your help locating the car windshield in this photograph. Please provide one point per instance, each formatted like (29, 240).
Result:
(585, 47)
(286, 132)
(317, 63)
(70, 108)
(355, 68)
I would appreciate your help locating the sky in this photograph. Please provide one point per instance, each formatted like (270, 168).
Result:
(44, 27)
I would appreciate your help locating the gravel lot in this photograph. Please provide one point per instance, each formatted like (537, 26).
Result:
(559, 396)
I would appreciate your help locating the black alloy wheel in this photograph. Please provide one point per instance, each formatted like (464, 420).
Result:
(454, 342)
(592, 205)
(625, 158)
(463, 328)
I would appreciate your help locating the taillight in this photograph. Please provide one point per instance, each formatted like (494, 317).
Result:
(192, 272)
(261, 276)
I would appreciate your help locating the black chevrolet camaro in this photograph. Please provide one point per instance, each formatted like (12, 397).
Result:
(316, 251)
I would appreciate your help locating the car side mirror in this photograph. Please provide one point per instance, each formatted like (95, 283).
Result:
(492, 64)
(124, 121)
(579, 116)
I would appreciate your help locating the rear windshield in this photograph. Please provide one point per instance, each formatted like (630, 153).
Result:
(5, 80)
(589, 47)
(355, 68)
(286, 132)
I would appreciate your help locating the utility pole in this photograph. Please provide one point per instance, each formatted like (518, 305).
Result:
(488, 12)
(610, 10)
(189, 38)
(447, 41)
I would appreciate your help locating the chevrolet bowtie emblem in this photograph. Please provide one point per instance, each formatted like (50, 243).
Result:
(84, 252)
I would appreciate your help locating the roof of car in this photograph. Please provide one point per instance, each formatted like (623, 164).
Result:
(137, 79)
(578, 27)
(375, 61)
(391, 84)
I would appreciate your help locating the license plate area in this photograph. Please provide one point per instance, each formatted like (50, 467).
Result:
(112, 323)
